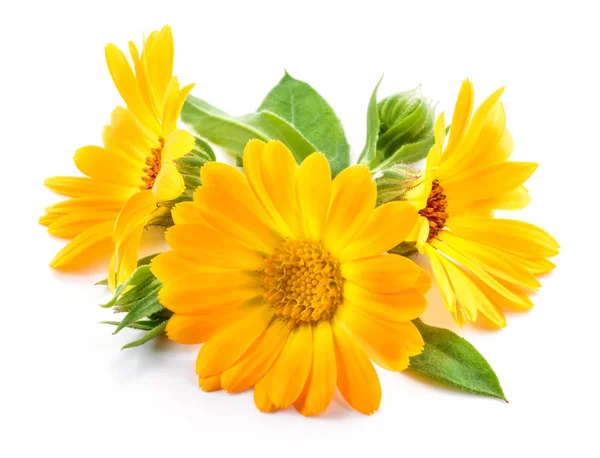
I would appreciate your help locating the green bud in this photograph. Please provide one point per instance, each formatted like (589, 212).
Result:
(394, 181)
(405, 118)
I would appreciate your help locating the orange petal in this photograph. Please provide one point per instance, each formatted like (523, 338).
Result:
(314, 191)
(386, 273)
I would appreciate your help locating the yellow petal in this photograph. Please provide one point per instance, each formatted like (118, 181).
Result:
(169, 266)
(387, 273)
(462, 113)
(476, 270)
(178, 144)
(356, 377)
(127, 253)
(185, 329)
(85, 248)
(187, 213)
(72, 224)
(109, 166)
(200, 292)
(314, 191)
(388, 226)
(225, 348)
(495, 261)
(353, 197)
(403, 306)
(127, 85)
(389, 344)
(320, 385)
(173, 102)
(158, 59)
(169, 183)
(257, 360)
(491, 182)
(135, 213)
(291, 369)
(272, 173)
(443, 282)
(209, 247)
(87, 187)
(261, 397)
(517, 237)
(210, 383)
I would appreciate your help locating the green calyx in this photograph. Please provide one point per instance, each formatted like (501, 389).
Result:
(395, 181)
(138, 299)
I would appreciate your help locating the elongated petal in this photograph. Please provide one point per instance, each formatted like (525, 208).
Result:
(170, 266)
(389, 344)
(73, 224)
(127, 85)
(134, 214)
(185, 329)
(314, 191)
(209, 384)
(209, 247)
(387, 273)
(495, 261)
(388, 226)
(225, 348)
(257, 360)
(87, 187)
(320, 385)
(462, 113)
(173, 102)
(187, 213)
(85, 248)
(272, 173)
(518, 237)
(261, 397)
(356, 377)
(109, 166)
(403, 306)
(290, 371)
(353, 197)
(443, 282)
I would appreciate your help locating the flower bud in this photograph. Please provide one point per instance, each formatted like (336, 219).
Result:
(406, 119)
(394, 181)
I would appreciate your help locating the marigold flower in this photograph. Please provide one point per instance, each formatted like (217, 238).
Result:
(283, 274)
(133, 172)
(481, 263)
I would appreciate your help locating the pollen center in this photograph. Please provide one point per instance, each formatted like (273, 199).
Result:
(435, 212)
(153, 165)
(303, 282)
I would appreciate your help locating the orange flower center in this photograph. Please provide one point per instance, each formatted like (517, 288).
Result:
(153, 165)
(435, 212)
(303, 282)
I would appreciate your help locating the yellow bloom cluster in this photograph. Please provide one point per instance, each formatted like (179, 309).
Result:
(287, 275)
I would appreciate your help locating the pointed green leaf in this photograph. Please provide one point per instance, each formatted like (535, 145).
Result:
(303, 107)
(369, 152)
(452, 360)
(144, 325)
(232, 133)
(155, 332)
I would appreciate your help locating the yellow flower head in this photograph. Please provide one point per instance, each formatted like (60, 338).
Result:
(283, 273)
(480, 263)
(133, 171)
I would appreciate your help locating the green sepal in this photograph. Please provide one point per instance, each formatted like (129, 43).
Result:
(406, 249)
(369, 152)
(138, 299)
(155, 332)
(299, 104)
(452, 360)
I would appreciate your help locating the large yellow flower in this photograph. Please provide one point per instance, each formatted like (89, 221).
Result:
(283, 274)
(481, 263)
(134, 171)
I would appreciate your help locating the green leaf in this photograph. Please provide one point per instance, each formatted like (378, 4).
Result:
(144, 325)
(155, 332)
(232, 133)
(452, 360)
(303, 107)
(370, 150)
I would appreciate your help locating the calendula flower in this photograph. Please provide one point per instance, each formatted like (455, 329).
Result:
(134, 171)
(481, 263)
(283, 274)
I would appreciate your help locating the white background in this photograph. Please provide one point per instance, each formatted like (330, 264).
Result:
(67, 390)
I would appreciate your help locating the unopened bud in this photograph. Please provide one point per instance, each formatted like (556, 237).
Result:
(395, 181)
